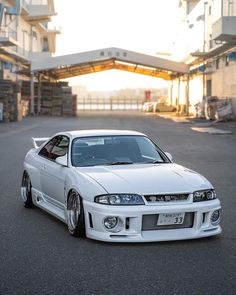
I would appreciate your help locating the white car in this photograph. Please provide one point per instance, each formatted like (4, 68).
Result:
(118, 186)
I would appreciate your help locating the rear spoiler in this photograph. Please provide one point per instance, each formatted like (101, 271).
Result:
(35, 140)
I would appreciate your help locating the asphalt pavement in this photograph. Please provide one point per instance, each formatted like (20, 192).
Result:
(38, 256)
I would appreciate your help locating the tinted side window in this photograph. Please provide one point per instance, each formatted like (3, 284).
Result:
(60, 148)
(46, 150)
(57, 147)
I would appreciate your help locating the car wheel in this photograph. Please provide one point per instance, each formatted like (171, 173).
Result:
(26, 191)
(75, 215)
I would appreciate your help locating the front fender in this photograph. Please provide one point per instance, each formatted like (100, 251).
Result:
(84, 185)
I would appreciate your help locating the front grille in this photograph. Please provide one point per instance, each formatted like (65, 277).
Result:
(149, 222)
(166, 198)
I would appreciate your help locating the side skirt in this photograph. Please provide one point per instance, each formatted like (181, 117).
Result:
(49, 205)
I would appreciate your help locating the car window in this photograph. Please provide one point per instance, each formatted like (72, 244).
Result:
(148, 150)
(108, 150)
(56, 147)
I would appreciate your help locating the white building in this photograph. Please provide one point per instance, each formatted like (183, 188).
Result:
(24, 35)
(207, 42)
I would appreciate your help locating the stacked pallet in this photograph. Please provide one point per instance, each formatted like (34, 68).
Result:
(25, 96)
(67, 108)
(46, 99)
(7, 100)
(56, 98)
(74, 104)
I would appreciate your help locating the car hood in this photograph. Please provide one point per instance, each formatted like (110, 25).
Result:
(146, 178)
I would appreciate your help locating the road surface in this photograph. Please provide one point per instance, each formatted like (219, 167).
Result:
(38, 256)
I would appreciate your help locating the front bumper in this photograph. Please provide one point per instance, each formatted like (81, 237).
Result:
(201, 226)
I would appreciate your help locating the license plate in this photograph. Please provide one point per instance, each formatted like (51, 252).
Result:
(170, 218)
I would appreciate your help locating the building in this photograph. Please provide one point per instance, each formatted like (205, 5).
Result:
(24, 35)
(207, 43)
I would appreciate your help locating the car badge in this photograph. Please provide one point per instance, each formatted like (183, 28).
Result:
(167, 198)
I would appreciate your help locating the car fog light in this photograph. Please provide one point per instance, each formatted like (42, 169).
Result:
(110, 222)
(215, 217)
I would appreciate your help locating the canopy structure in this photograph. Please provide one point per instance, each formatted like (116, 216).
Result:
(72, 65)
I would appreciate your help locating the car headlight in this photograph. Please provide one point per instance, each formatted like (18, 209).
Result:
(119, 199)
(204, 195)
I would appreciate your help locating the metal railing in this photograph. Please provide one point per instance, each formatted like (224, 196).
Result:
(8, 32)
(101, 104)
(19, 51)
(25, 4)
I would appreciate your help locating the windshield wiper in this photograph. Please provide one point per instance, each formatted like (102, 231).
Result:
(158, 162)
(119, 163)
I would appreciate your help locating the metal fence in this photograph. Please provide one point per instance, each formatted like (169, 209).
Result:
(96, 104)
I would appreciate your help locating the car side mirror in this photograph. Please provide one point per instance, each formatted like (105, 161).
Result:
(62, 161)
(169, 156)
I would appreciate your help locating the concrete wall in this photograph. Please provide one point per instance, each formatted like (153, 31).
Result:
(224, 82)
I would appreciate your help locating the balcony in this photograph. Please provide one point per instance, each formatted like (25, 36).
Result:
(17, 53)
(49, 30)
(224, 29)
(37, 11)
(7, 37)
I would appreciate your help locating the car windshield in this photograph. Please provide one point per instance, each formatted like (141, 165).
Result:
(115, 150)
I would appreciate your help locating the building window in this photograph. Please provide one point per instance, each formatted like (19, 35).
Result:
(210, 43)
(226, 60)
(45, 44)
(209, 12)
(8, 66)
(35, 35)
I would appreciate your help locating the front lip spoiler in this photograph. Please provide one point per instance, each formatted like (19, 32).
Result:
(159, 236)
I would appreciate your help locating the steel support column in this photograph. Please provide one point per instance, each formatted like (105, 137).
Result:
(32, 93)
(39, 93)
(187, 96)
(177, 103)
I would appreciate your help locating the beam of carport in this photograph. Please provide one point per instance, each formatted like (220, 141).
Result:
(61, 65)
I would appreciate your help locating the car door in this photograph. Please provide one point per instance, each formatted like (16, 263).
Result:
(52, 174)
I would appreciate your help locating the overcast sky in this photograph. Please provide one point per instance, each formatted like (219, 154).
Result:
(147, 26)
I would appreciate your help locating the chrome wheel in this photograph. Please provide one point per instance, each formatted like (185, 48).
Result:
(25, 188)
(75, 215)
(73, 211)
(26, 191)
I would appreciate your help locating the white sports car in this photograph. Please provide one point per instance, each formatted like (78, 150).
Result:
(118, 186)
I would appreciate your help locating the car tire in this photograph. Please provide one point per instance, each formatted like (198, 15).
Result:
(75, 215)
(26, 191)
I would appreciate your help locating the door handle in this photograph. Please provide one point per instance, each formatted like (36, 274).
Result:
(44, 167)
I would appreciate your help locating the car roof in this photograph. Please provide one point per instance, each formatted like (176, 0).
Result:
(99, 132)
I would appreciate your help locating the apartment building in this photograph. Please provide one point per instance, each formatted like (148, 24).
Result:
(24, 34)
(207, 42)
